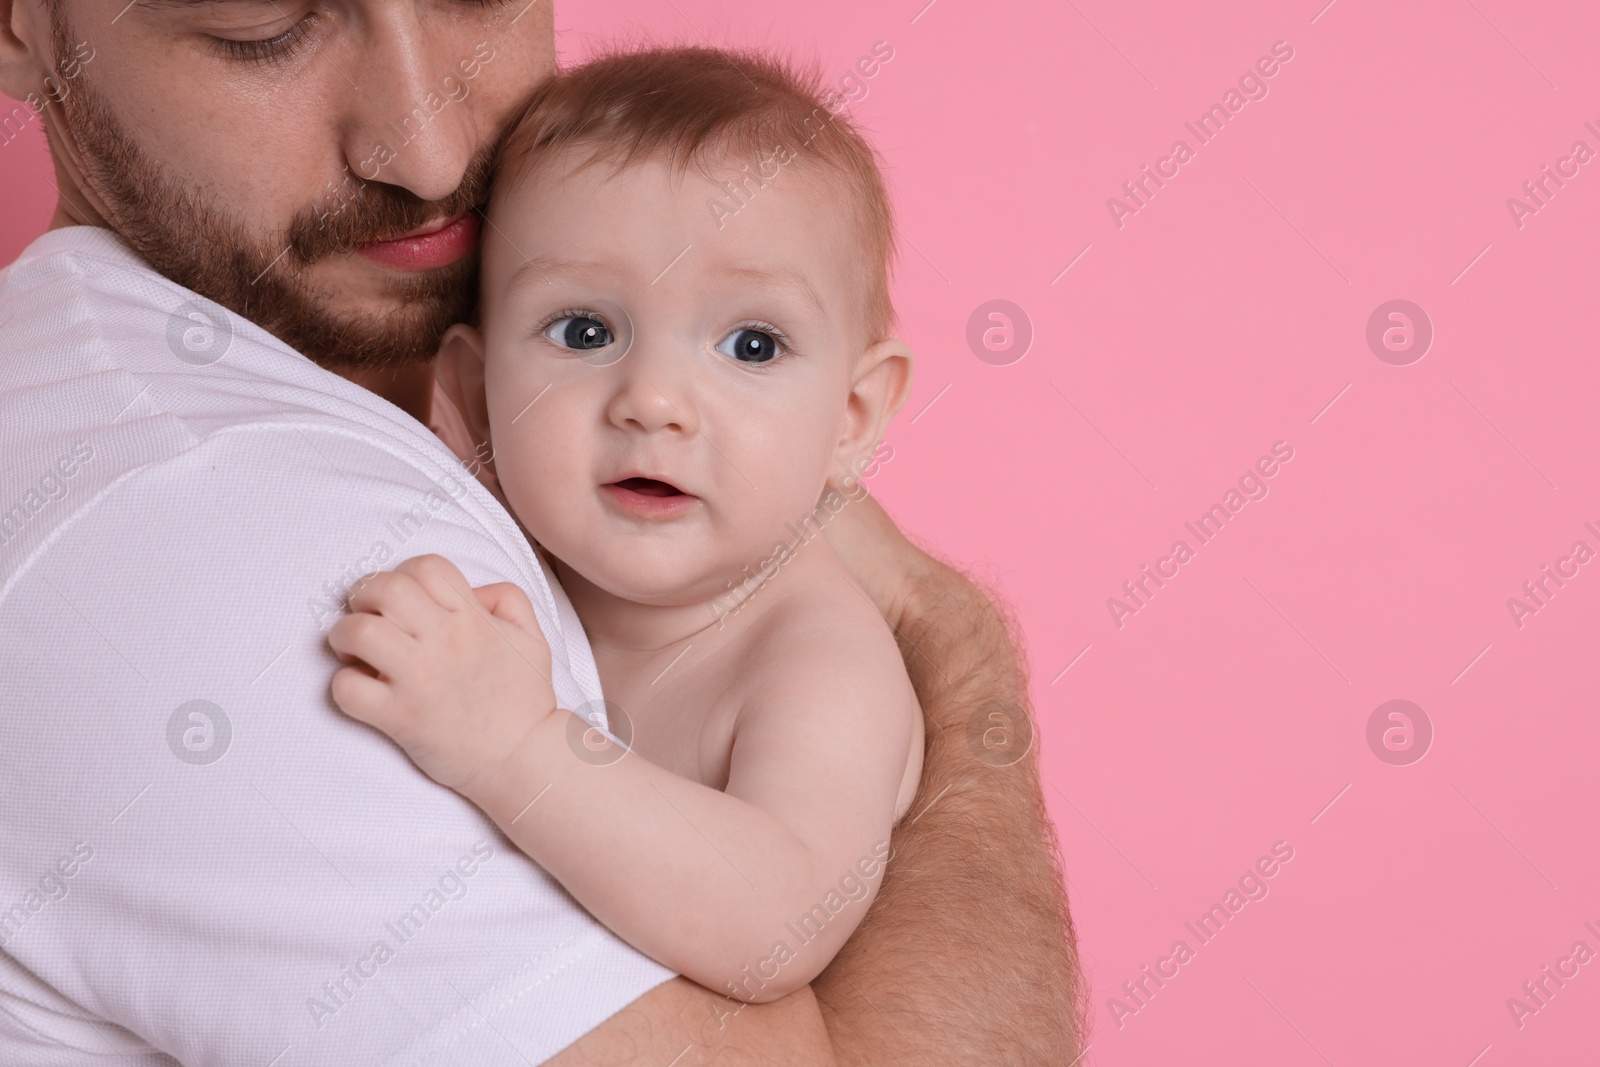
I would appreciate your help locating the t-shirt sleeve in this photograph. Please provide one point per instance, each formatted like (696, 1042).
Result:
(200, 857)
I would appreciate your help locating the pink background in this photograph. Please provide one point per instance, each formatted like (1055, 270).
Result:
(1224, 316)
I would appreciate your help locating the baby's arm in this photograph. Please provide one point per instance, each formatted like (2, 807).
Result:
(750, 891)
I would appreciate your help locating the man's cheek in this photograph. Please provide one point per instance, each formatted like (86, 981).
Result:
(55, 88)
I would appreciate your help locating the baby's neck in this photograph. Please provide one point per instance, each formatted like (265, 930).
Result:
(616, 624)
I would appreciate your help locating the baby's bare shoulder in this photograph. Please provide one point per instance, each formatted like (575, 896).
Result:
(824, 618)
(827, 709)
(823, 650)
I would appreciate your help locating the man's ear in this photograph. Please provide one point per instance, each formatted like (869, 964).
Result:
(24, 49)
(459, 371)
(882, 384)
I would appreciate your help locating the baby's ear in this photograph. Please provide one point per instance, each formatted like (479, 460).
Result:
(459, 371)
(882, 384)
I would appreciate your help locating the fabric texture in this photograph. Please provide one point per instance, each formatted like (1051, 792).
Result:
(201, 860)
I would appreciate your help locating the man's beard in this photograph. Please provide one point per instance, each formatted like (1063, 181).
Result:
(264, 278)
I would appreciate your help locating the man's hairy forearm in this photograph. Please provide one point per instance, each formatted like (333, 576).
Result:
(968, 953)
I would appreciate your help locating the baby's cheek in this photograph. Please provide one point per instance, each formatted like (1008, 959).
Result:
(784, 510)
(533, 467)
(796, 467)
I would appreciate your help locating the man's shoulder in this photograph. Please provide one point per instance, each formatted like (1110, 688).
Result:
(119, 380)
(180, 517)
(83, 320)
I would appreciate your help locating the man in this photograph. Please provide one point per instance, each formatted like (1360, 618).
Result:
(199, 860)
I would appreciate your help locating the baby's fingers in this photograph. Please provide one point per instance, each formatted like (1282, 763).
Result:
(506, 601)
(362, 697)
(373, 640)
(442, 579)
(399, 598)
(512, 615)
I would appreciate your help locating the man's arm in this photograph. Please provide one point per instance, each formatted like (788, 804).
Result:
(968, 954)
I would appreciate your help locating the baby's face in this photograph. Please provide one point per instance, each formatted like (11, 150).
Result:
(669, 385)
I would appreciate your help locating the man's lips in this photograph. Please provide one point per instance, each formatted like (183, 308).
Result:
(648, 497)
(437, 245)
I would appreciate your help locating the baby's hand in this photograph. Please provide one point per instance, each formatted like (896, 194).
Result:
(457, 676)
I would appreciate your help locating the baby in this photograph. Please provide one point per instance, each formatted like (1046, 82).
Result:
(685, 362)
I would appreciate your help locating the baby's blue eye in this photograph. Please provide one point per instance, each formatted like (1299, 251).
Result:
(581, 332)
(750, 346)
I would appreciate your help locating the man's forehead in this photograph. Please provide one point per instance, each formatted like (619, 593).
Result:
(156, 5)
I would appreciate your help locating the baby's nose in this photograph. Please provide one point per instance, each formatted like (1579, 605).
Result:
(652, 399)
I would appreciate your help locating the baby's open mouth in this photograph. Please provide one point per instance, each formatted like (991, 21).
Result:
(648, 487)
(651, 499)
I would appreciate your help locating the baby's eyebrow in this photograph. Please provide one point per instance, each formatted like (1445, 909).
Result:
(781, 278)
(538, 268)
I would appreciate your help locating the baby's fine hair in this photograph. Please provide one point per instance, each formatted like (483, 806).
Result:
(713, 109)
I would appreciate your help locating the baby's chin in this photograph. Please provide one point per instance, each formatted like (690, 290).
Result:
(649, 579)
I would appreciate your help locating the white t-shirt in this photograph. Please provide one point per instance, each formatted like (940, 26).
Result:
(200, 857)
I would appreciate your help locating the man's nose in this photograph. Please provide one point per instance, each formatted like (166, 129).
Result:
(405, 127)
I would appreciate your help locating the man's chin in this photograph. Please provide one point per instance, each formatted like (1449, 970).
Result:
(350, 314)
(357, 287)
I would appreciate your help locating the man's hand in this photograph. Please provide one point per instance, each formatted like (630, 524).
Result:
(458, 677)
